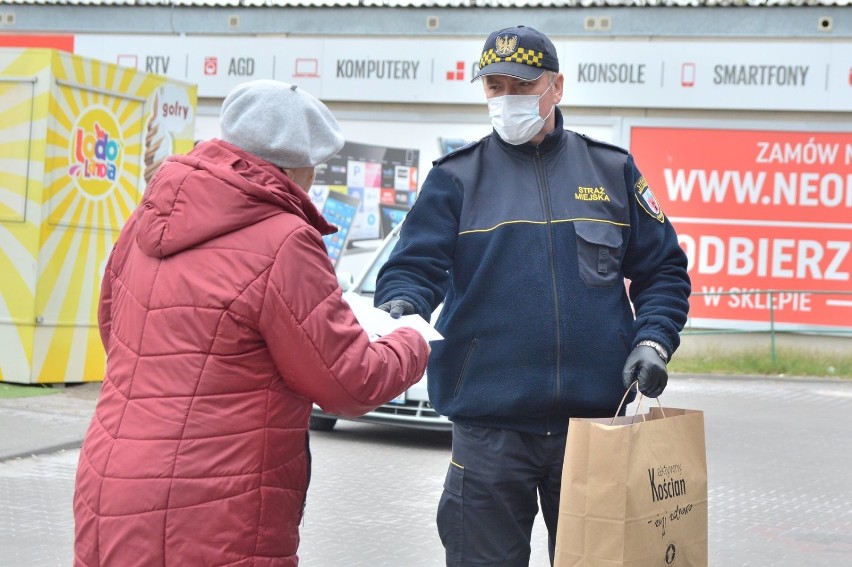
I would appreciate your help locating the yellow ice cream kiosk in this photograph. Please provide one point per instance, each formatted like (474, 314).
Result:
(79, 139)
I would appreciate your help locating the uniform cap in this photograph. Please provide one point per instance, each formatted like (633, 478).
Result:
(520, 52)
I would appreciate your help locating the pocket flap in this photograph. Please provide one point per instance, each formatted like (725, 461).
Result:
(600, 233)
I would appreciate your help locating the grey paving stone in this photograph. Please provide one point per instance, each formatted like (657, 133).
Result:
(779, 462)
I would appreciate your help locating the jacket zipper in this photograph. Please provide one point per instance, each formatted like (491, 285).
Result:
(542, 177)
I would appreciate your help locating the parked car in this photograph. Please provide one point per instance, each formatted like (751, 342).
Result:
(412, 407)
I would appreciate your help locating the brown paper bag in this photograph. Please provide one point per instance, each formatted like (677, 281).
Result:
(634, 492)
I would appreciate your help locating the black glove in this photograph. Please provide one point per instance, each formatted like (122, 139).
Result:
(648, 367)
(398, 307)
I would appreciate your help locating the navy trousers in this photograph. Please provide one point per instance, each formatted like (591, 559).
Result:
(494, 483)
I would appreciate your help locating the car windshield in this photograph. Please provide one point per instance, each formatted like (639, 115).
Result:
(369, 284)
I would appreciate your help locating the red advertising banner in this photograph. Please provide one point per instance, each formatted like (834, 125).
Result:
(758, 210)
(54, 41)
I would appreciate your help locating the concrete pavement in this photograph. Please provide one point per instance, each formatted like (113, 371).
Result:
(46, 423)
(40, 442)
(779, 459)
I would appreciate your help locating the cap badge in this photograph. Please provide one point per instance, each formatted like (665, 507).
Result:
(505, 45)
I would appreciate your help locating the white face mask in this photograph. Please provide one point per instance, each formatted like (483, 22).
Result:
(516, 117)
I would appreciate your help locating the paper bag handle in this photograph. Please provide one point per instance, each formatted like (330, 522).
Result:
(638, 405)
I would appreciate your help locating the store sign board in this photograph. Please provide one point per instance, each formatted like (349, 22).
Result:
(699, 75)
(782, 75)
(758, 210)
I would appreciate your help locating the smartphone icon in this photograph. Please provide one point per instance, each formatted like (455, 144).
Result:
(687, 75)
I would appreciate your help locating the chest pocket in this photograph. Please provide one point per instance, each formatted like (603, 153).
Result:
(599, 253)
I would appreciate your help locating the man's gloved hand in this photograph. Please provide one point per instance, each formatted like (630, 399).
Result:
(397, 308)
(647, 366)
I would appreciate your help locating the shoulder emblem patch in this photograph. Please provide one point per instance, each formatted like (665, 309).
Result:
(647, 200)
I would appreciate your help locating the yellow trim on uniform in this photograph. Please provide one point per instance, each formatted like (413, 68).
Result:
(495, 227)
(499, 225)
(455, 464)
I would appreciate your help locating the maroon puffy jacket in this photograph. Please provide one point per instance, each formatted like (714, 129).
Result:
(222, 320)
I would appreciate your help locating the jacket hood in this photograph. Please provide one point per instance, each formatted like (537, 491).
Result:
(215, 189)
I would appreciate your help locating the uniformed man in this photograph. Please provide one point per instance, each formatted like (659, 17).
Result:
(527, 237)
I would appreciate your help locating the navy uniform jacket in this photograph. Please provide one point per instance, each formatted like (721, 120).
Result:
(528, 247)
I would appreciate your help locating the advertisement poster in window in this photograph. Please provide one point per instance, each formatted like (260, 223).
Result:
(758, 210)
(383, 180)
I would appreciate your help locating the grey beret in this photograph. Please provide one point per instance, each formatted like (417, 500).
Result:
(280, 123)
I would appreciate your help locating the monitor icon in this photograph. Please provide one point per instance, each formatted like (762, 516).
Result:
(127, 61)
(306, 68)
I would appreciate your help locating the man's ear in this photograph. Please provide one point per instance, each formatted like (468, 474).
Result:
(558, 85)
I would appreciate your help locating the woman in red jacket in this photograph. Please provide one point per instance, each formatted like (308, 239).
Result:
(223, 322)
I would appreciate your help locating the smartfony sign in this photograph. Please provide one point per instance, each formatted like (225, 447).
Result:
(758, 210)
(714, 75)
(783, 75)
